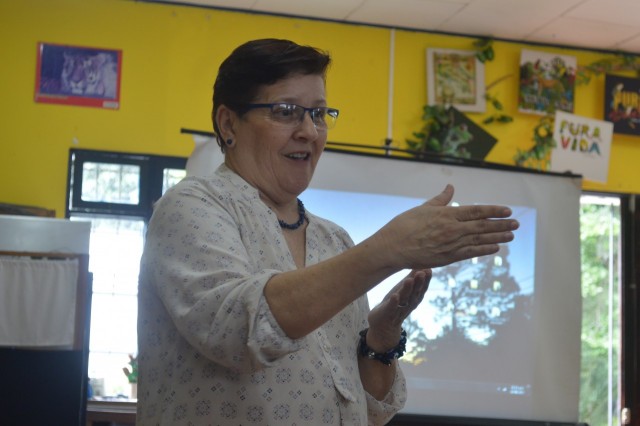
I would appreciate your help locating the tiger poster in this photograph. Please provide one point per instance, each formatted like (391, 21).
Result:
(83, 76)
(547, 82)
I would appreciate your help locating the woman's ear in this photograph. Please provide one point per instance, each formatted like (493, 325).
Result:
(225, 118)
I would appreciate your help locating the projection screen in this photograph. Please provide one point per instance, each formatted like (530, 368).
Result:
(498, 336)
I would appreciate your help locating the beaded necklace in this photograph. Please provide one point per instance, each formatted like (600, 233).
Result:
(301, 218)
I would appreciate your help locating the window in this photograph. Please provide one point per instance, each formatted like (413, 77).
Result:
(110, 183)
(600, 224)
(116, 191)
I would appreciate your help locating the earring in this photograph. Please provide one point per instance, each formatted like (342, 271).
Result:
(229, 142)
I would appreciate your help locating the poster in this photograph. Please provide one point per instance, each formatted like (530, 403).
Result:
(455, 135)
(622, 104)
(455, 78)
(463, 138)
(583, 146)
(73, 75)
(547, 82)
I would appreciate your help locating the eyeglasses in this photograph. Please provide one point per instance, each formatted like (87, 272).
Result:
(292, 115)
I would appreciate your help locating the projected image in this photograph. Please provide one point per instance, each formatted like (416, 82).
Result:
(473, 312)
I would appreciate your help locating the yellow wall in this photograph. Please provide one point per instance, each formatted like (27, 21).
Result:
(170, 56)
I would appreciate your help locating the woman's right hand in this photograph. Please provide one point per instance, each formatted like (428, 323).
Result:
(436, 234)
(431, 235)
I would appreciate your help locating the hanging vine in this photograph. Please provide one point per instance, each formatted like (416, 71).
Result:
(538, 156)
(620, 62)
(439, 135)
(429, 140)
(437, 118)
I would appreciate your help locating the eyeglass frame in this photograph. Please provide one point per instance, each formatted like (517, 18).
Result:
(311, 111)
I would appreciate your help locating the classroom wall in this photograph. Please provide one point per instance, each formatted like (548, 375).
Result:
(170, 57)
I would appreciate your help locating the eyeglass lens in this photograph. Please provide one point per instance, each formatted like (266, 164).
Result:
(292, 114)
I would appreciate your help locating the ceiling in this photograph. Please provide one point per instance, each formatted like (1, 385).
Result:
(593, 24)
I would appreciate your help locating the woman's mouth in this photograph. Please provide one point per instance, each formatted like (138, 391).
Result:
(298, 156)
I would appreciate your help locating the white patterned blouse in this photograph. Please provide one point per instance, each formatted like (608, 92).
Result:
(210, 350)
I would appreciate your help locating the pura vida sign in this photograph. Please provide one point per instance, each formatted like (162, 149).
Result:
(582, 146)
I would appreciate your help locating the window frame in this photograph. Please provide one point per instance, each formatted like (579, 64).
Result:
(630, 303)
(150, 181)
(150, 188)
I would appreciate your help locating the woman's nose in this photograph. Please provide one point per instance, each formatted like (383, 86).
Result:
(307, 125)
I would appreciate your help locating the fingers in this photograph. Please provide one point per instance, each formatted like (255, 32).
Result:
(467, 213)
(495, 228)
(473, 212)
(465, 231)
(490, 238)
(454, 235)
(472, 245)
(478, 245)
(406, 296)
(435, 234)
(469, 252)
(385, 320)
(412, 290)
(442, 199)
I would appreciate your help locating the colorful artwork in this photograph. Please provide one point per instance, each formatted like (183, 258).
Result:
(465, 139)
(454, 136)
(622, 104)
(547, 82)
(582, 146)
(74, 75)
(455, 78)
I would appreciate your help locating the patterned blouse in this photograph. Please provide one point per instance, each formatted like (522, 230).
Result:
(210, 349)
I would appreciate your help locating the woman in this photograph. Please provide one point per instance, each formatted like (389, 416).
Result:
(253, 310)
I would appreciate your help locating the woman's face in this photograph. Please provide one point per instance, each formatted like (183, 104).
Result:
(279, 159)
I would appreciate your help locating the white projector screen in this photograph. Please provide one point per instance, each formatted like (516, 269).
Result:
(496, 337)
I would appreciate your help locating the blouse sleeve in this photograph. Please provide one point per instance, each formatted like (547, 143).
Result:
(380, 412)
(198, 266)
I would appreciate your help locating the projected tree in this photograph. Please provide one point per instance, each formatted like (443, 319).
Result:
(417, 341)
(478, 310)
(479, 296)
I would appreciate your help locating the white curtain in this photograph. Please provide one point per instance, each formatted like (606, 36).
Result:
(37, 301)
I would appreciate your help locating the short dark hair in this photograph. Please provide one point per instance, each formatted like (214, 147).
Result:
(258, 63)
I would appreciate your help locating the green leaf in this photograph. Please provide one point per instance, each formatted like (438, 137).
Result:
(412, 144)
(435, 145)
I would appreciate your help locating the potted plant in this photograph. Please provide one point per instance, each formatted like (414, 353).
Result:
(132, 375)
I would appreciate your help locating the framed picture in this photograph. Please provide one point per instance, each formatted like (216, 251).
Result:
(622, 104)
(73, 75)
(455, 78)
(545, 76)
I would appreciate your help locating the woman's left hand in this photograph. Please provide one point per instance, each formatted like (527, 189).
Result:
(385, 320)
